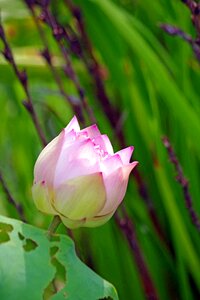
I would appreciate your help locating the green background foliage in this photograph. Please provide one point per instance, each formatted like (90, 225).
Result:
(153, 79)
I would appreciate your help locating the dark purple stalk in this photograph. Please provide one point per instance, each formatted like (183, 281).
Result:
(95, 71)
(143, 192)
(183, 182)
(194, 8)
(175, 31)
(60, 36)
(23, 79)
(128, 229)
(11, 200)
(76, 107)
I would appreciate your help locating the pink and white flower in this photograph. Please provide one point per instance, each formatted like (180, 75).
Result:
(78, 176)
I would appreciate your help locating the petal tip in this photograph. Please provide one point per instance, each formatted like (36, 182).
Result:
(134, 164)
(73, 124)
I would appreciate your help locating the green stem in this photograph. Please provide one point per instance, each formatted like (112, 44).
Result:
(53, 226)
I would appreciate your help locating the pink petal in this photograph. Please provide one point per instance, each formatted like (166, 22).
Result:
(45, 165)
(70, 137)
(115, 191)
(110, 164)
(79, 158)
(92, 131)
(73, 124)
(128, 168)
(125, 154)
(81, 198)
(104, 142)
(116, 185)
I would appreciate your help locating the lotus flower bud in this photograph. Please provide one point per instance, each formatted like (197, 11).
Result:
(78, 176)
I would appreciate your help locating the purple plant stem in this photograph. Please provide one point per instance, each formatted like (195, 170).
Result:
(183, 182)
(142, 189)
(48, 59)
(175, 31)
(11, 200)
(22, 77)
(95, 71)
(194, 8)
(128, 229)
(59, 34)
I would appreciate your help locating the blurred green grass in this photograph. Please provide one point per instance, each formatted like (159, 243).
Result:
(154, 81)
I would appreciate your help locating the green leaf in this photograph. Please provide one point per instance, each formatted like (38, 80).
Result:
(33, 266)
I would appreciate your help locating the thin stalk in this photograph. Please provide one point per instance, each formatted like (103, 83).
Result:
(11, 200)
(45, 53)
(127, 227)
(59, 34)
(183, 183)
(53, 226)
(23, 79)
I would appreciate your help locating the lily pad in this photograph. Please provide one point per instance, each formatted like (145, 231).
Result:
(34, 268)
